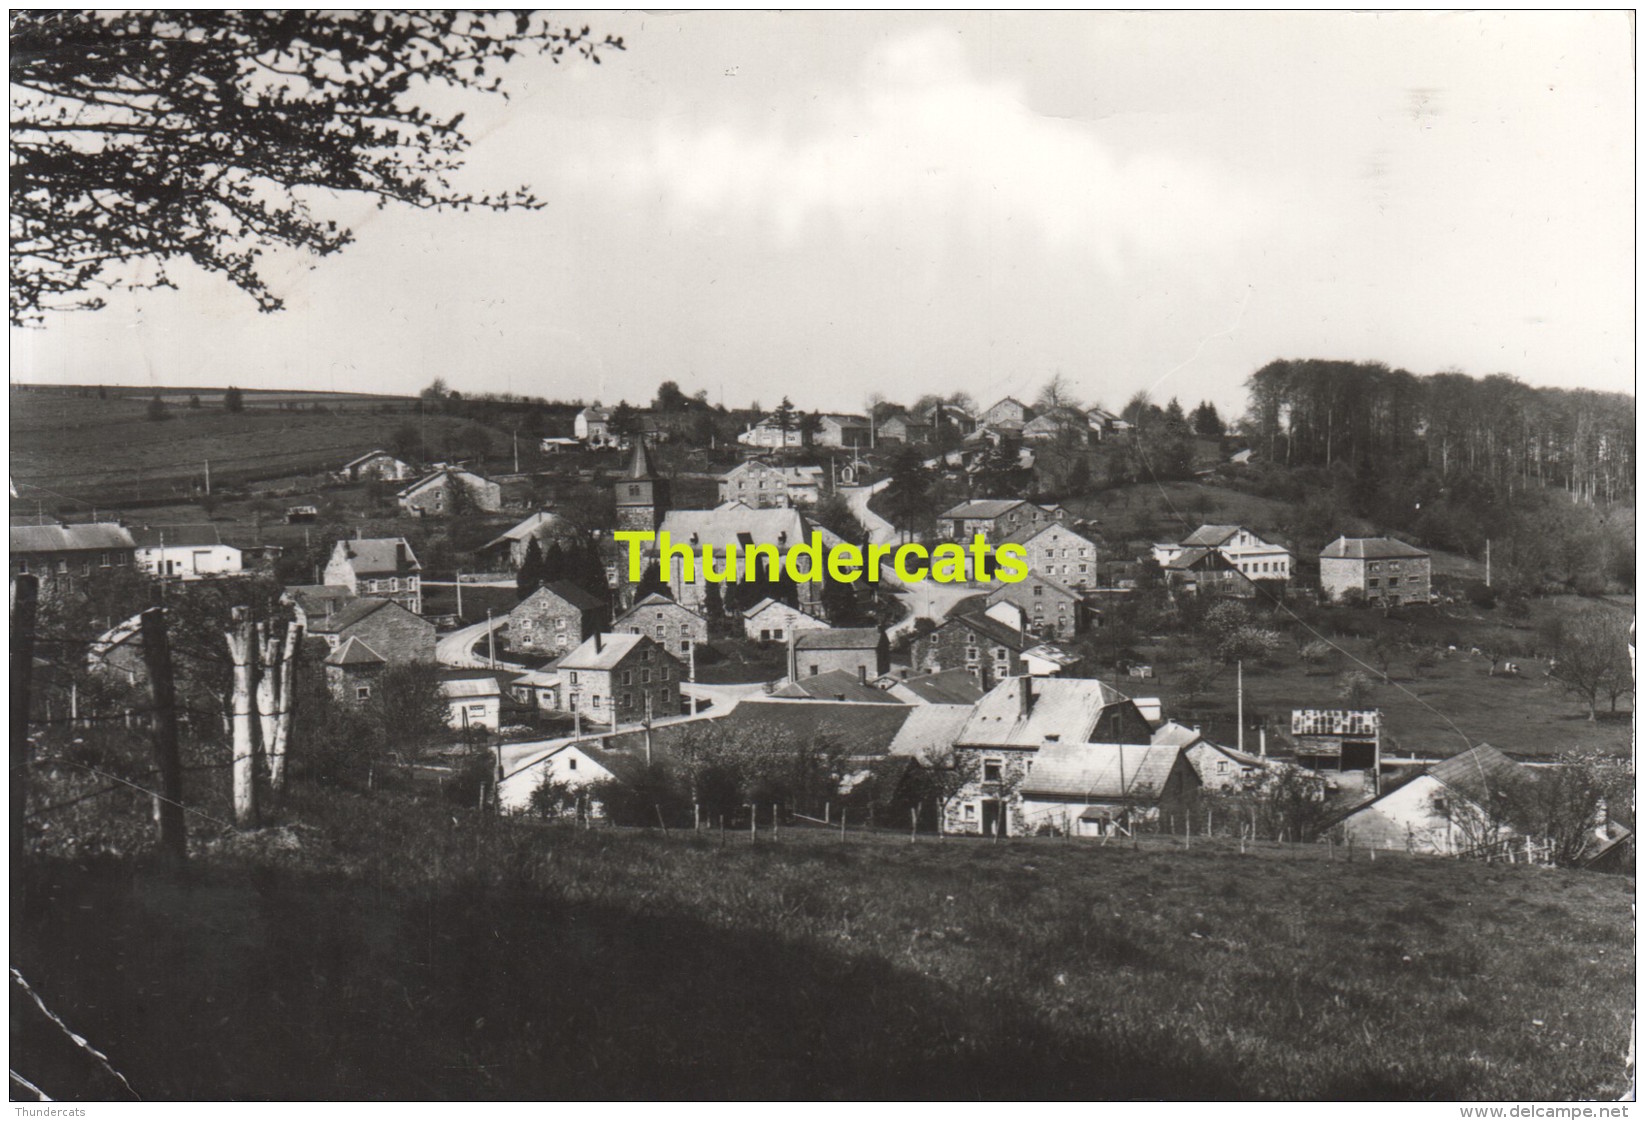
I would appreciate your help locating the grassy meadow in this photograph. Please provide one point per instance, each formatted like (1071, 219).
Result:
(380, 948)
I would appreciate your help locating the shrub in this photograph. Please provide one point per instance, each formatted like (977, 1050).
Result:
(1480, 594)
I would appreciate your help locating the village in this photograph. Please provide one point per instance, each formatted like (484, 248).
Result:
(986, 708)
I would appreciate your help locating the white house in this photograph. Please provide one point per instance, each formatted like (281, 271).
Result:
(376, 464)
(472, 701)
(1456, 805)
(185, 552)
(1250, 555)
(769, 434)
(593, 427)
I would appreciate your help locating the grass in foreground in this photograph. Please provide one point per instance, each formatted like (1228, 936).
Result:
(394, 951)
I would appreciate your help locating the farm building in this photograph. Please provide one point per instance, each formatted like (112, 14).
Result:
(620, 679)
(185, 552)
(758, 484)
(352, 670)
(1247, 553)
(506, 552)
(1454, 806)
(436, 494)
(376, 464)
(1094, 789)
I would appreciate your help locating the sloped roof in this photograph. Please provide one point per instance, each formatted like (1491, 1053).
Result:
(565, 590)
(1065, 709)
(1210, 535)
(1003, 592)
(727, 524)
(947, 687)
(596, 412)
(1173, 734)
(1028, 532)
(983, 508)
(602, 651)
(69, 538)
(992, 629)
(655, 599)
(839, 638)
(176, 536)
(354, 611)
(835, 685)
(1198, 557)
(318, 599)
(456, 688)
(1369, 548)
(355, 652)
(848, 419)
(105, 643)
(804, 473)
(863, 729)
(1101, 770)
(1050, 652)
(1479, 773)
(639, 464)
(373, 454)
(527, 528)
(930, 729)
(371, 556)
(459, 474)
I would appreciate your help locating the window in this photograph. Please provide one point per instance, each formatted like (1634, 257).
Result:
(1039, 589)
(571, 764)
(814, 671)
(645, 677)
(573, 677)
(628, 677)
(596, 701)
(765, 635)
(685, 647)
(777, 633)
(970, 653)
(362, 692)
(1222, 766)
(992, 769)
(971, 811)
(628, 699)
(633, 490)
(1372, 582)
(664, 676)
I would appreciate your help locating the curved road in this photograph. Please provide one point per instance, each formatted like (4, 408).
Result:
(457, 648)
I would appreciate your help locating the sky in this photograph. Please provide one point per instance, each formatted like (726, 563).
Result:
(827, 206)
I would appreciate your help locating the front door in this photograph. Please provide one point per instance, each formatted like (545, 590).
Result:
(993, 817)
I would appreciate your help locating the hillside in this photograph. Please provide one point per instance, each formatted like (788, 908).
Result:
(388, 949)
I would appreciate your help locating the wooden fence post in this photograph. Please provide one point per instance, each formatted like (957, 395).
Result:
(169, 804)
(284, 700)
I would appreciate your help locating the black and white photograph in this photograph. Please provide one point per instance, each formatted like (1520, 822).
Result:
(816, 556)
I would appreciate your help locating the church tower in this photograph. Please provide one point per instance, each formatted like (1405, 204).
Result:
(642, 498)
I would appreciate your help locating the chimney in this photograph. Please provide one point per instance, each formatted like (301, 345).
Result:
(862, 674)
(400, 554)
(1025, 694)
(358, 533)
(597, 642)
(782, 538)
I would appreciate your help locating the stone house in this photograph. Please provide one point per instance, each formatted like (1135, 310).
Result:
(376, 464)
(383, 567)
(1385, 571)
(950, 417)
(434, 495)
(773, 621)
(64, 553)
(761, 485)
(391, 631)
(1049, 606)
(1098, 789)
(506, 552)
(986, 648)
(861, 651)
(1056, 551)
(352, 670)
(997, 519)
(669, 625)
(620, 679)
(592, 426)
(734, 526)
(1007, 730)
(555, 618)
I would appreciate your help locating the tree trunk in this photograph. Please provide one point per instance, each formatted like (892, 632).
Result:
(282, 727)
(241, 649)
(268, 687)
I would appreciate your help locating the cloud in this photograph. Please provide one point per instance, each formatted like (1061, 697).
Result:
(921, 152)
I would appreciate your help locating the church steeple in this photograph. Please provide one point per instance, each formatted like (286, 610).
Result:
(642, 497)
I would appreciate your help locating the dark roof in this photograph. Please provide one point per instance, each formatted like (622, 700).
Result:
(839, 638)
(69, 538)
(372, 555)
(639, 467)
(318, 599)
(992, 629)
(354, 611)
(178, 536)
(835, 685)
(1479, 774)
(949, 687)
(983, 508)
(1368, 548)
(570, 593)
(1198, 558)
(1035, 576)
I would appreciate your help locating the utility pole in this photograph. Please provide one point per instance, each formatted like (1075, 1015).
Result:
(459, 596)
(208, 476)
(168, 804)
(491, 640)
(516, 451)
(25, 599)
(1239, 672)
(691, 653)
(1487, 562)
